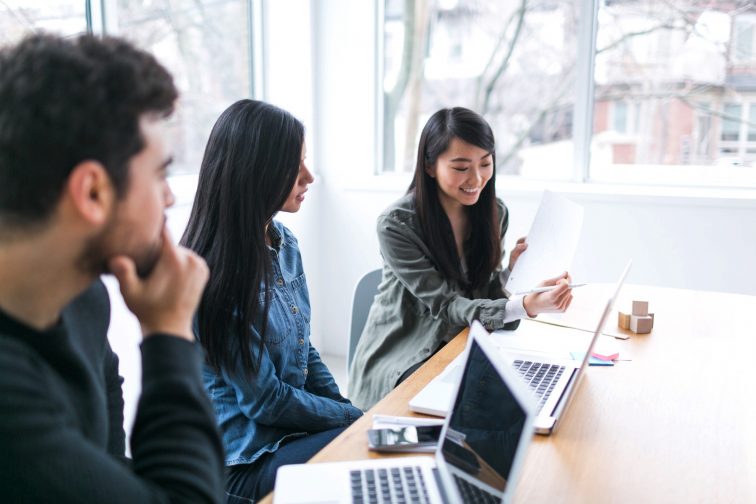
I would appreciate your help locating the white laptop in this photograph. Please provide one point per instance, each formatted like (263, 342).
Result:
(482, 447)
(552, 381)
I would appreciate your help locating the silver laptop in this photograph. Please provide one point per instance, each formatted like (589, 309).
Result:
(551, 381)
(478, 459)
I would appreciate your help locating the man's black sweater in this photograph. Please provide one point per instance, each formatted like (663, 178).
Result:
(61, 416)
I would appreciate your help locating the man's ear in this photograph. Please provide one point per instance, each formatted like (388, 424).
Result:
(91, 192)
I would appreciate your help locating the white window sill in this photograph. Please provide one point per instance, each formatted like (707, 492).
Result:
(594, 191)
(184, 187)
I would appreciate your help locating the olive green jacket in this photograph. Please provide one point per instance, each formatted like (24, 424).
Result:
(417, 310)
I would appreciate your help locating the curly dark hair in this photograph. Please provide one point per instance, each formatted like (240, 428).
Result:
(64, 101)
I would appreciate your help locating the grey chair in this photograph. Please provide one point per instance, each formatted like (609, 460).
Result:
(364, 293)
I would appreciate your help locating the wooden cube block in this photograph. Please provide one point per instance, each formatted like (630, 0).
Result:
(641, 324)
(640, 308)
(623, 320)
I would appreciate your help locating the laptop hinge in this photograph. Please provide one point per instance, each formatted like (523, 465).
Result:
(440, 485)
(560, 405)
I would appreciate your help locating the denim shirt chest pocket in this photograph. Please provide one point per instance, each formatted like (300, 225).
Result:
(279, 325)
(286, 349)
(288, 333)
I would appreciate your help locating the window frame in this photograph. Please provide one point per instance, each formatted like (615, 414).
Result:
(102, 20)
(585, 169)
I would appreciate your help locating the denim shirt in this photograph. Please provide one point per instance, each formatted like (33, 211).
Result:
(293, 393)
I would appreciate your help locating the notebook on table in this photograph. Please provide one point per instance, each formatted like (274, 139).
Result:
(482, 447)
(552, 381)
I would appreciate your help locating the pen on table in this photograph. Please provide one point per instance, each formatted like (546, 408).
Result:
(546, 289)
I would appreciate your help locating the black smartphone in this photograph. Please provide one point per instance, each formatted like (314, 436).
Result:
(405, 437)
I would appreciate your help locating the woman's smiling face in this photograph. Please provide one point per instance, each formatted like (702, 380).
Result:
(461, 173)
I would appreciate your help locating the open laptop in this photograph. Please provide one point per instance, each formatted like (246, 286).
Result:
(478, 459)
(552, 381)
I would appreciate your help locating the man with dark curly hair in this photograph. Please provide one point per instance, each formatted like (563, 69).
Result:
(83, 192)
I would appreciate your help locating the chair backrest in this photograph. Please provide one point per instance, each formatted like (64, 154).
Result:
(364, 293)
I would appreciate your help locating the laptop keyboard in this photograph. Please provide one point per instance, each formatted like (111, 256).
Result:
(472, 494)
(394, 484)
(540, 377)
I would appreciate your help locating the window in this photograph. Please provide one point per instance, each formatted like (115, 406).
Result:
(731, 122)
(513, 62)
(743, 49)
(620, 117)
(18, 18)
(204, 44)
(690, 68)
(751, 122)
(672, 82)
(738, 135)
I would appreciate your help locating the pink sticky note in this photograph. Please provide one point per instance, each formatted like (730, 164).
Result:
(608, 357)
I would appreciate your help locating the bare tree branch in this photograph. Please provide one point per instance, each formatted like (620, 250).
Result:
(639, 33)
(414, 95)
(392, 97)
(525, 133)
(505, 62)
(492, 57)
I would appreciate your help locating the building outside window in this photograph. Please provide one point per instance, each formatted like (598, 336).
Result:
(674, 82)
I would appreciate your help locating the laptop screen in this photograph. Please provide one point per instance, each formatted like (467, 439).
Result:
(485, 424)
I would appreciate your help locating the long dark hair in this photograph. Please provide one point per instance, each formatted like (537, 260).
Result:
(483, 252)
(250, 165)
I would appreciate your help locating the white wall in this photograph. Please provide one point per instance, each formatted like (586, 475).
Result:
(684, 242)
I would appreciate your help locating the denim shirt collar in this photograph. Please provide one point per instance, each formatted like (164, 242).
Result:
(276, 234)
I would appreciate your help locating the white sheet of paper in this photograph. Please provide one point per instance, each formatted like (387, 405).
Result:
(536, 338)
(552, 242)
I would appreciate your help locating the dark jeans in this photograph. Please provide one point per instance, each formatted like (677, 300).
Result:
(247, 483)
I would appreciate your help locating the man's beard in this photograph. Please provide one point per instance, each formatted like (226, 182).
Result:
(94, 260)
(147, 260)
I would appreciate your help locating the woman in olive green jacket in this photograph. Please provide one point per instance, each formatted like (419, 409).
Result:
(442, 246)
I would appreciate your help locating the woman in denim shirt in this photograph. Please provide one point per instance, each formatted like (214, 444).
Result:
(275, 400)
(442, 246)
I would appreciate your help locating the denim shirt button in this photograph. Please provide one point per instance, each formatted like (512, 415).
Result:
(279, 282)
(294, 309)
(305, 371)
(301, 341)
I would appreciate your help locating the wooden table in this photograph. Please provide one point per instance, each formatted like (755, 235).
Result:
(676, 423)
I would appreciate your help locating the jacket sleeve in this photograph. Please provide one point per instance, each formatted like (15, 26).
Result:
(268, 400)
(500, 277)
(114, 391)
(405, 253)
(176, 447)
(320, 380)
